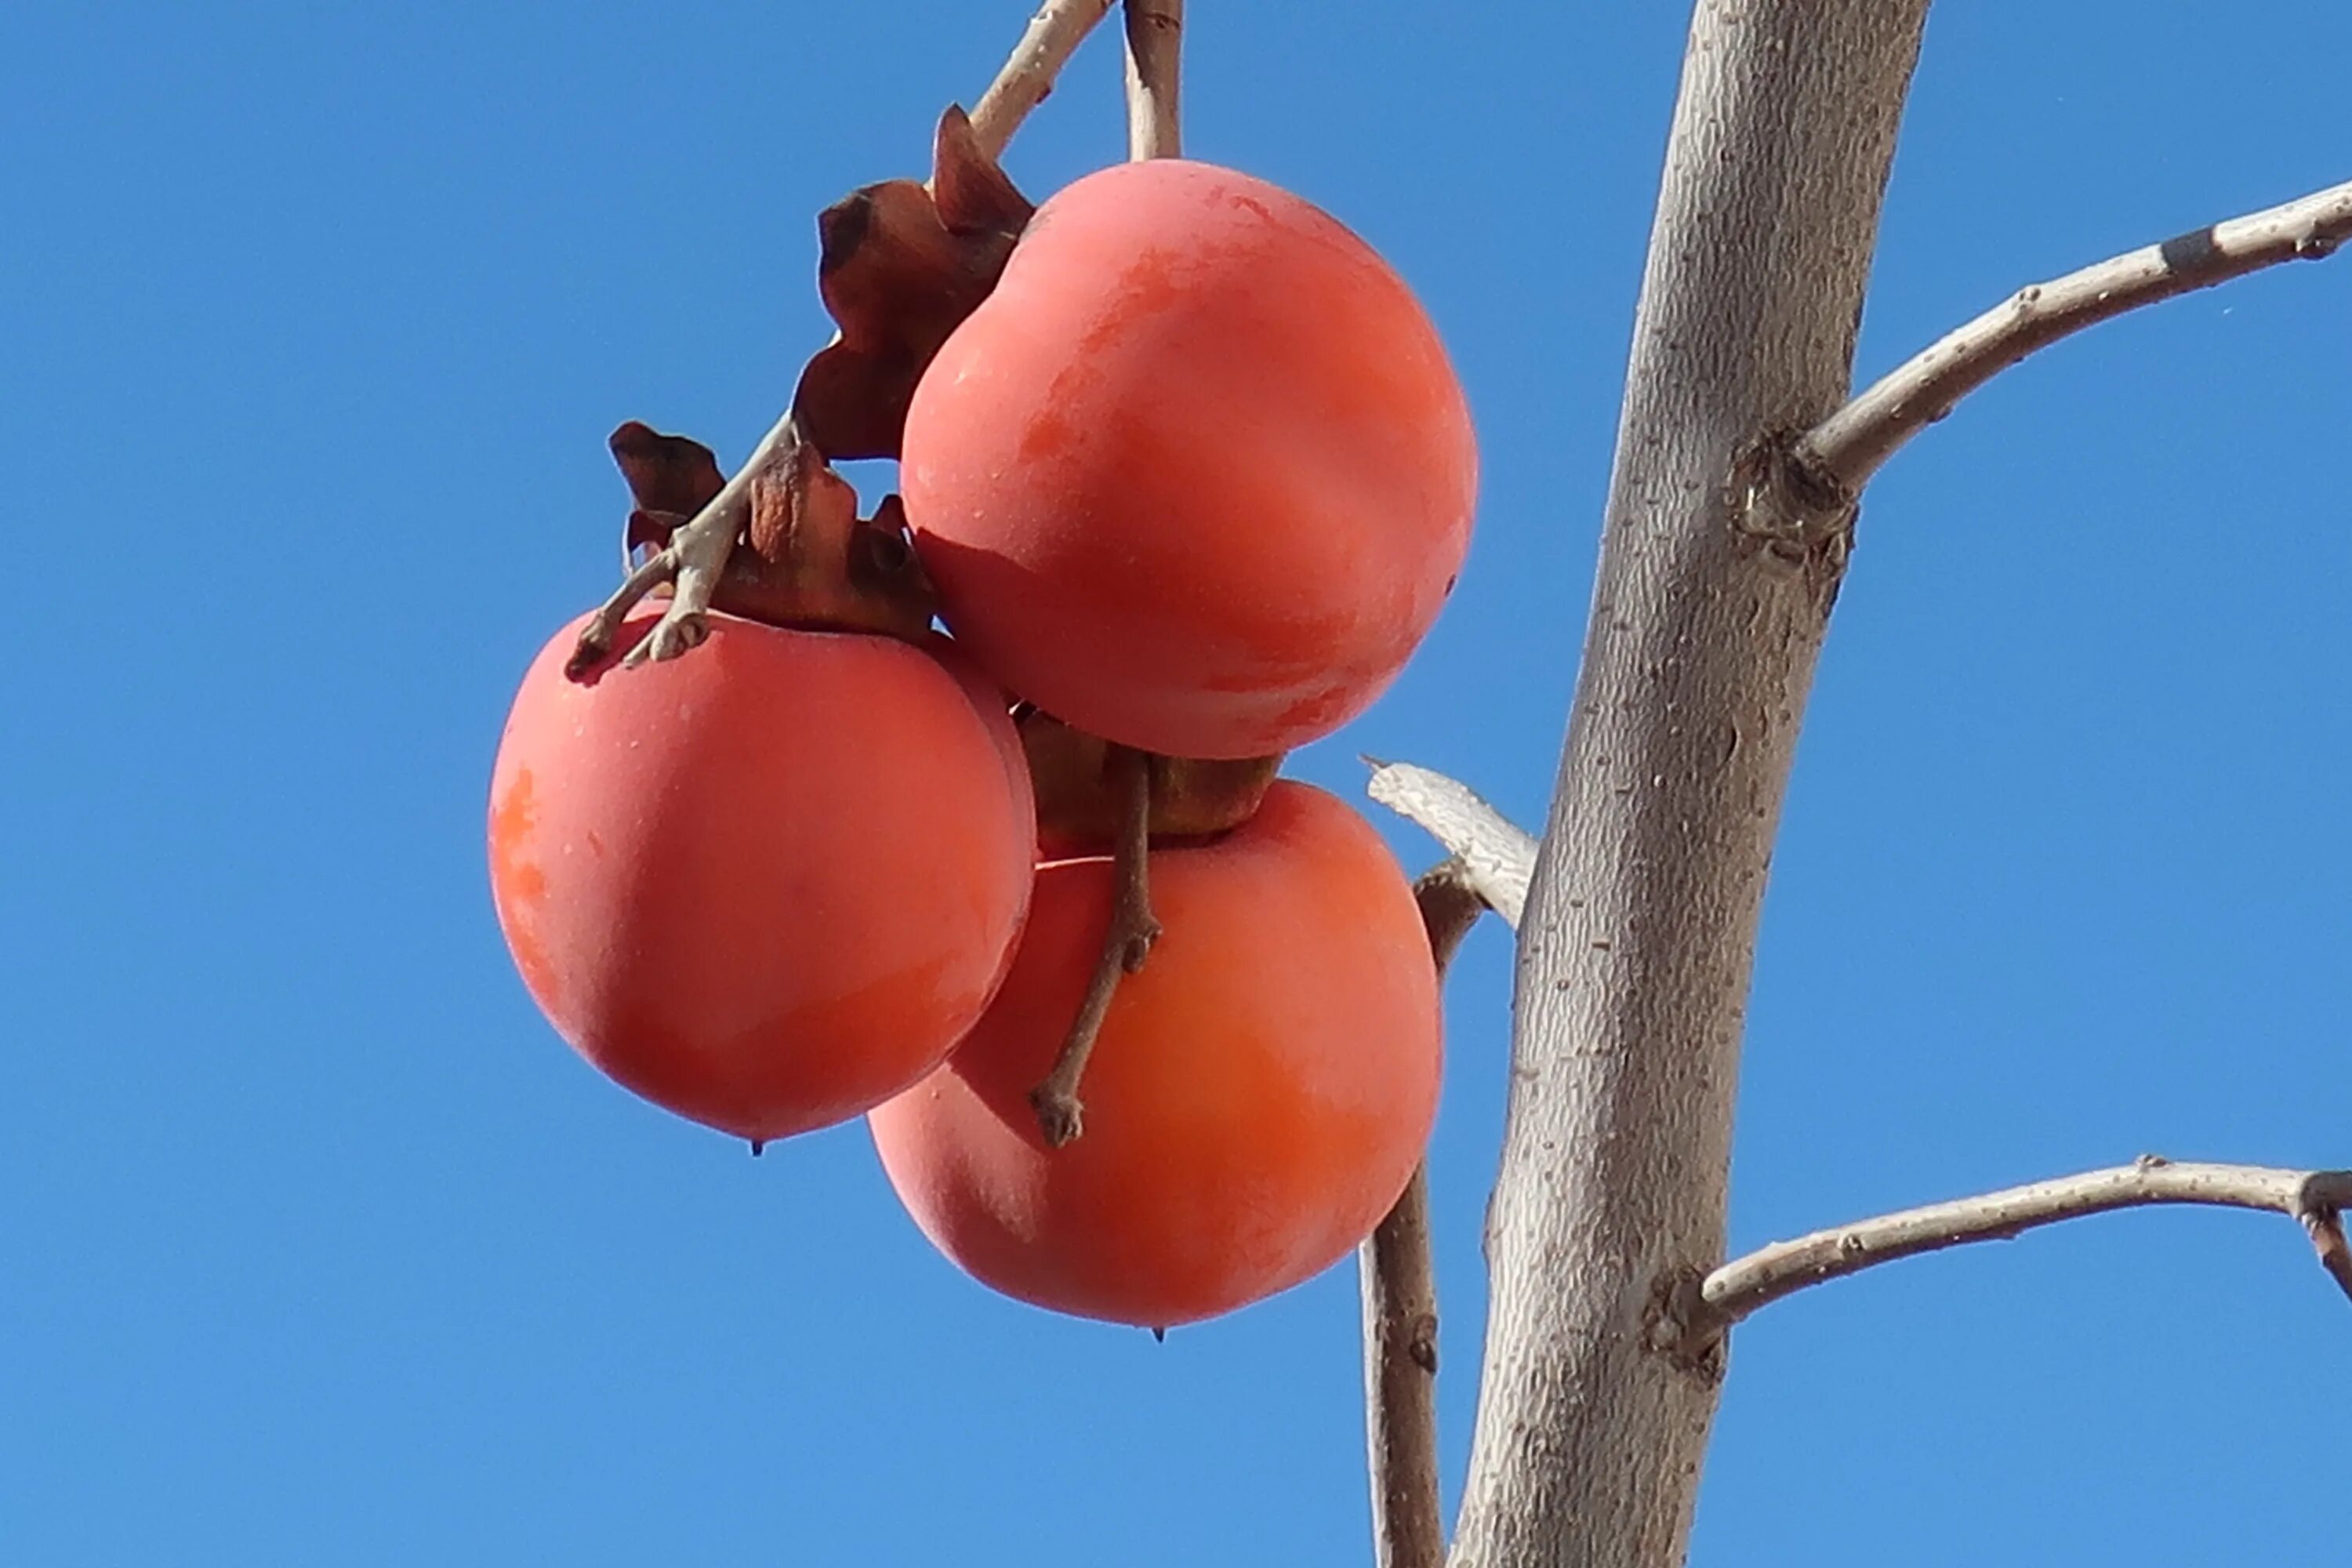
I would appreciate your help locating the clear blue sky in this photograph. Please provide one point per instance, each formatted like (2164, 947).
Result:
(316, 1246)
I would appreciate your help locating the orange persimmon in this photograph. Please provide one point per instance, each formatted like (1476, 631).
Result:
(1197, 477)
(769, 884)
(1258, 1096)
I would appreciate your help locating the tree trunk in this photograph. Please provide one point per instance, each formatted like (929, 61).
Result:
(1639, 936)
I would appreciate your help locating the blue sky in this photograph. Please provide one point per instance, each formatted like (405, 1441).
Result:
(317, 1247)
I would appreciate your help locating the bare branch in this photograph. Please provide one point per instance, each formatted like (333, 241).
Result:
(1126, 942)
(1055, 33)
(1638, 942)
(1844, 450)
(1497, 857)
(1155, 30)
(2315, 1198)
(1399, 1295)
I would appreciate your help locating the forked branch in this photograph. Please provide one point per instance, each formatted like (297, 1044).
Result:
(694, 559)
(1126, 942)
(2315, 1199)
(1399, 1296)
(1841, 452)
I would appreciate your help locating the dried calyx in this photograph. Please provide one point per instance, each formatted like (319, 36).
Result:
(1095, 798)
(1079, 804)
(901, 264)
(805, 559)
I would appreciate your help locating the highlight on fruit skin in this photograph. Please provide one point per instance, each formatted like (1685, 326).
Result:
(767, 886)
(1258, 1096)
(1197, 477)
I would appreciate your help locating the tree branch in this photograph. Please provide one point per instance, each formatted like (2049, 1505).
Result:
(1495, 855)
(2314, 1198)
(1637, 945)
(1055, 33)
(1399, 1296)
(1842, 451)
(1155, 30)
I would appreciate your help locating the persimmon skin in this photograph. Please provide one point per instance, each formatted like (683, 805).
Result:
(1258, 1096)
(1197, 477)
(766, 885)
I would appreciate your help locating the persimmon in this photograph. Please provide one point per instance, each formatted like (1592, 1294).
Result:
(767, 885)
(1258, 1096)
(1197, 476)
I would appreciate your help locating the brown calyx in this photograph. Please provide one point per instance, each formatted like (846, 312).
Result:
(900, 265)
(805, 558)
(1095, 797)
(1080, 807)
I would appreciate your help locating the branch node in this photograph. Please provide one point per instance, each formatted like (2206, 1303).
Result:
(1421, 1342)
(2319, 1203)
(1795, 508)
(1686, 1328)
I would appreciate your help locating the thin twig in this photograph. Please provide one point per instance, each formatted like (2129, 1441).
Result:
(1155, 32)
(2315, 1198)
(596, 639)
(1055, 33)
(1400, 1296)
(1497, 856)
(1126, 942)
(1842, 451)
(693, 561)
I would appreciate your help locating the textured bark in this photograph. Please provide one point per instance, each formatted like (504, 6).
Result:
(1638, 940)
(1497, 858)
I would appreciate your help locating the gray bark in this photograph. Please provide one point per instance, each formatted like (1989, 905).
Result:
(1635, 952)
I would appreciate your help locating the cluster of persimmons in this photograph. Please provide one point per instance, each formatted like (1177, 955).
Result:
(1186, 478)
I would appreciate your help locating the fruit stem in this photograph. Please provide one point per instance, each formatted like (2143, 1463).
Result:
(1154, 30)
(1126, 942)
(692, 563)
(1054, 35)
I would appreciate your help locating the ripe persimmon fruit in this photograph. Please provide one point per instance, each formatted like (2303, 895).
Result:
(1197, 476)
(767, 885)
(1258, 1096)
